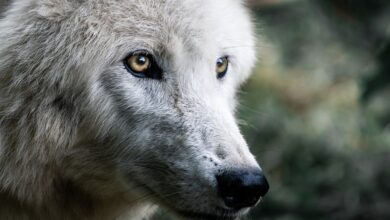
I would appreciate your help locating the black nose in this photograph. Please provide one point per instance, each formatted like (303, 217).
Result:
(242, 188)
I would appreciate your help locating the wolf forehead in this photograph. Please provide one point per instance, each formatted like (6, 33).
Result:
(158, 25)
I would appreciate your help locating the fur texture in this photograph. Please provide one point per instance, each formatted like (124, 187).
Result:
(82, 138)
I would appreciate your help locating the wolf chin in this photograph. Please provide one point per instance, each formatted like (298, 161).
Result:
(110, 108)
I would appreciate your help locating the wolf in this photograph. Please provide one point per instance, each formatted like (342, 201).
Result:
(112, 108)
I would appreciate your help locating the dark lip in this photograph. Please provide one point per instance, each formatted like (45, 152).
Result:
(220, 214)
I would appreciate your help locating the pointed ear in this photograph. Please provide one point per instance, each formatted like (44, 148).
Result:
(57, 9)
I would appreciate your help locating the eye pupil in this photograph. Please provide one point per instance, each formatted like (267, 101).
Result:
(141, 60)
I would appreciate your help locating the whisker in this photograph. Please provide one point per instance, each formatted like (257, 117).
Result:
(154, 195)
(253, 110)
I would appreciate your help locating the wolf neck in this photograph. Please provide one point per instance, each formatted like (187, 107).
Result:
(82, 209)
(35, 185)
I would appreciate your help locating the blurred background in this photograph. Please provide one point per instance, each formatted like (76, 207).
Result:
(316, 111)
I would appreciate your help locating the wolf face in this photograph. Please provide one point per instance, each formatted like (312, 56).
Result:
(129, 97)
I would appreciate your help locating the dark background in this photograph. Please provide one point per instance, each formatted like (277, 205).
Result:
(316, 111)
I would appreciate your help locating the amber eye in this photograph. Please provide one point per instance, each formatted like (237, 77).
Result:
(142, 65)
(221, 67)
(138, 63)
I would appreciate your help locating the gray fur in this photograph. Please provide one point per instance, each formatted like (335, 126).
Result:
(81, 138)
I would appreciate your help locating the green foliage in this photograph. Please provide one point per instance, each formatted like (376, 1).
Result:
(326, 153)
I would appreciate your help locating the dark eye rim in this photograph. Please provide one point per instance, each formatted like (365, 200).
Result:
(153, 72)
(222, 75)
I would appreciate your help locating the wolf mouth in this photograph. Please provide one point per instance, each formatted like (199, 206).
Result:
(221, 214)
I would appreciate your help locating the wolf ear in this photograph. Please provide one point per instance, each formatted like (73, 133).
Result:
(57, 9)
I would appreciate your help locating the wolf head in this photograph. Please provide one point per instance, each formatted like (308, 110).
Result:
(129, 98)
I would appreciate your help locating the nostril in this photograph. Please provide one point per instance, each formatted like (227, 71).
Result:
(242, 188)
